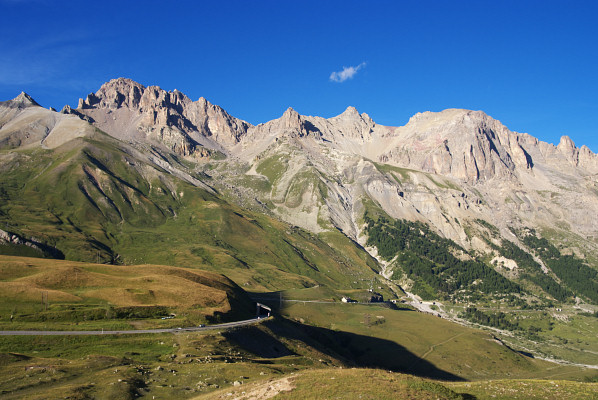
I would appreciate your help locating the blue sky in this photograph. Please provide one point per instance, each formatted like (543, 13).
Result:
(531, 64)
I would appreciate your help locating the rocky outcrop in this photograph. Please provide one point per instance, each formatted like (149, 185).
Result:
(8, 238)
(291, 123)
(467, 145)
(349, 124)
(130, 111)
(23, 100)
(587, 160)
(583, 158)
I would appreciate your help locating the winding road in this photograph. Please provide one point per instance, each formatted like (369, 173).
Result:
(227, 325)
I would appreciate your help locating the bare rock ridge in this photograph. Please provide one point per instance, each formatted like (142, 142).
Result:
(10, 108)
(579, 157)
(290, 123)
(24, 100)
(130, 111)
(466, 145)
(349, 124)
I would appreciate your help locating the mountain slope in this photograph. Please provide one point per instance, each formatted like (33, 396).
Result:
(499, 175)
(78, 289)
(98, 198)
(159, 168)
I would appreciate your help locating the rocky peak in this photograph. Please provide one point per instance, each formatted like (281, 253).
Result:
(155, 99)
(579, 157)
(587, 159)
(291, 119)
(205, 106)
(121, 92)
(203, 103)
(350, 124)
(294, 123)
(350, 112)
(351, 115)
(567, 147)
(168, 117)
(468, 145)
(126, 93)
(367, 119)
(24, 100)
(290, 124)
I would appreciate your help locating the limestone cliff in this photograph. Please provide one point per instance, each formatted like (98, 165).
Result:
(130, 111)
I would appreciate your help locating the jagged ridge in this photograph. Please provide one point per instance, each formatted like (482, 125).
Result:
(130, 111)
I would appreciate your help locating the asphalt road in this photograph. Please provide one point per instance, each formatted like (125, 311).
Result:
(227, 325)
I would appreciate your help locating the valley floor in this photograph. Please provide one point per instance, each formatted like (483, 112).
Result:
(310, 349)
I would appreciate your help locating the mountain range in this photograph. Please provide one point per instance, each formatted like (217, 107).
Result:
(140, 173)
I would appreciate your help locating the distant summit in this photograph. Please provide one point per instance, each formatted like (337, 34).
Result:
(130, 111)
(24, 98)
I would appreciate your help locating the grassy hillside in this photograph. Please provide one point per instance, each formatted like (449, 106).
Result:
(51, 294)
(308, 346)
(256, 251)
(69, 196)
(342, 384)
(524, 389)
(276, 354)
(421, 344)
(94, 200)
(359, 383)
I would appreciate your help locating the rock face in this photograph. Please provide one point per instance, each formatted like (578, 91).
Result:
(11, 108)
(446, 169)
(132, 112)
(467, 145)
(14, 239)
(583, 157)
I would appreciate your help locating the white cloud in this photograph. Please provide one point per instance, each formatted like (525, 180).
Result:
(346, 73)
